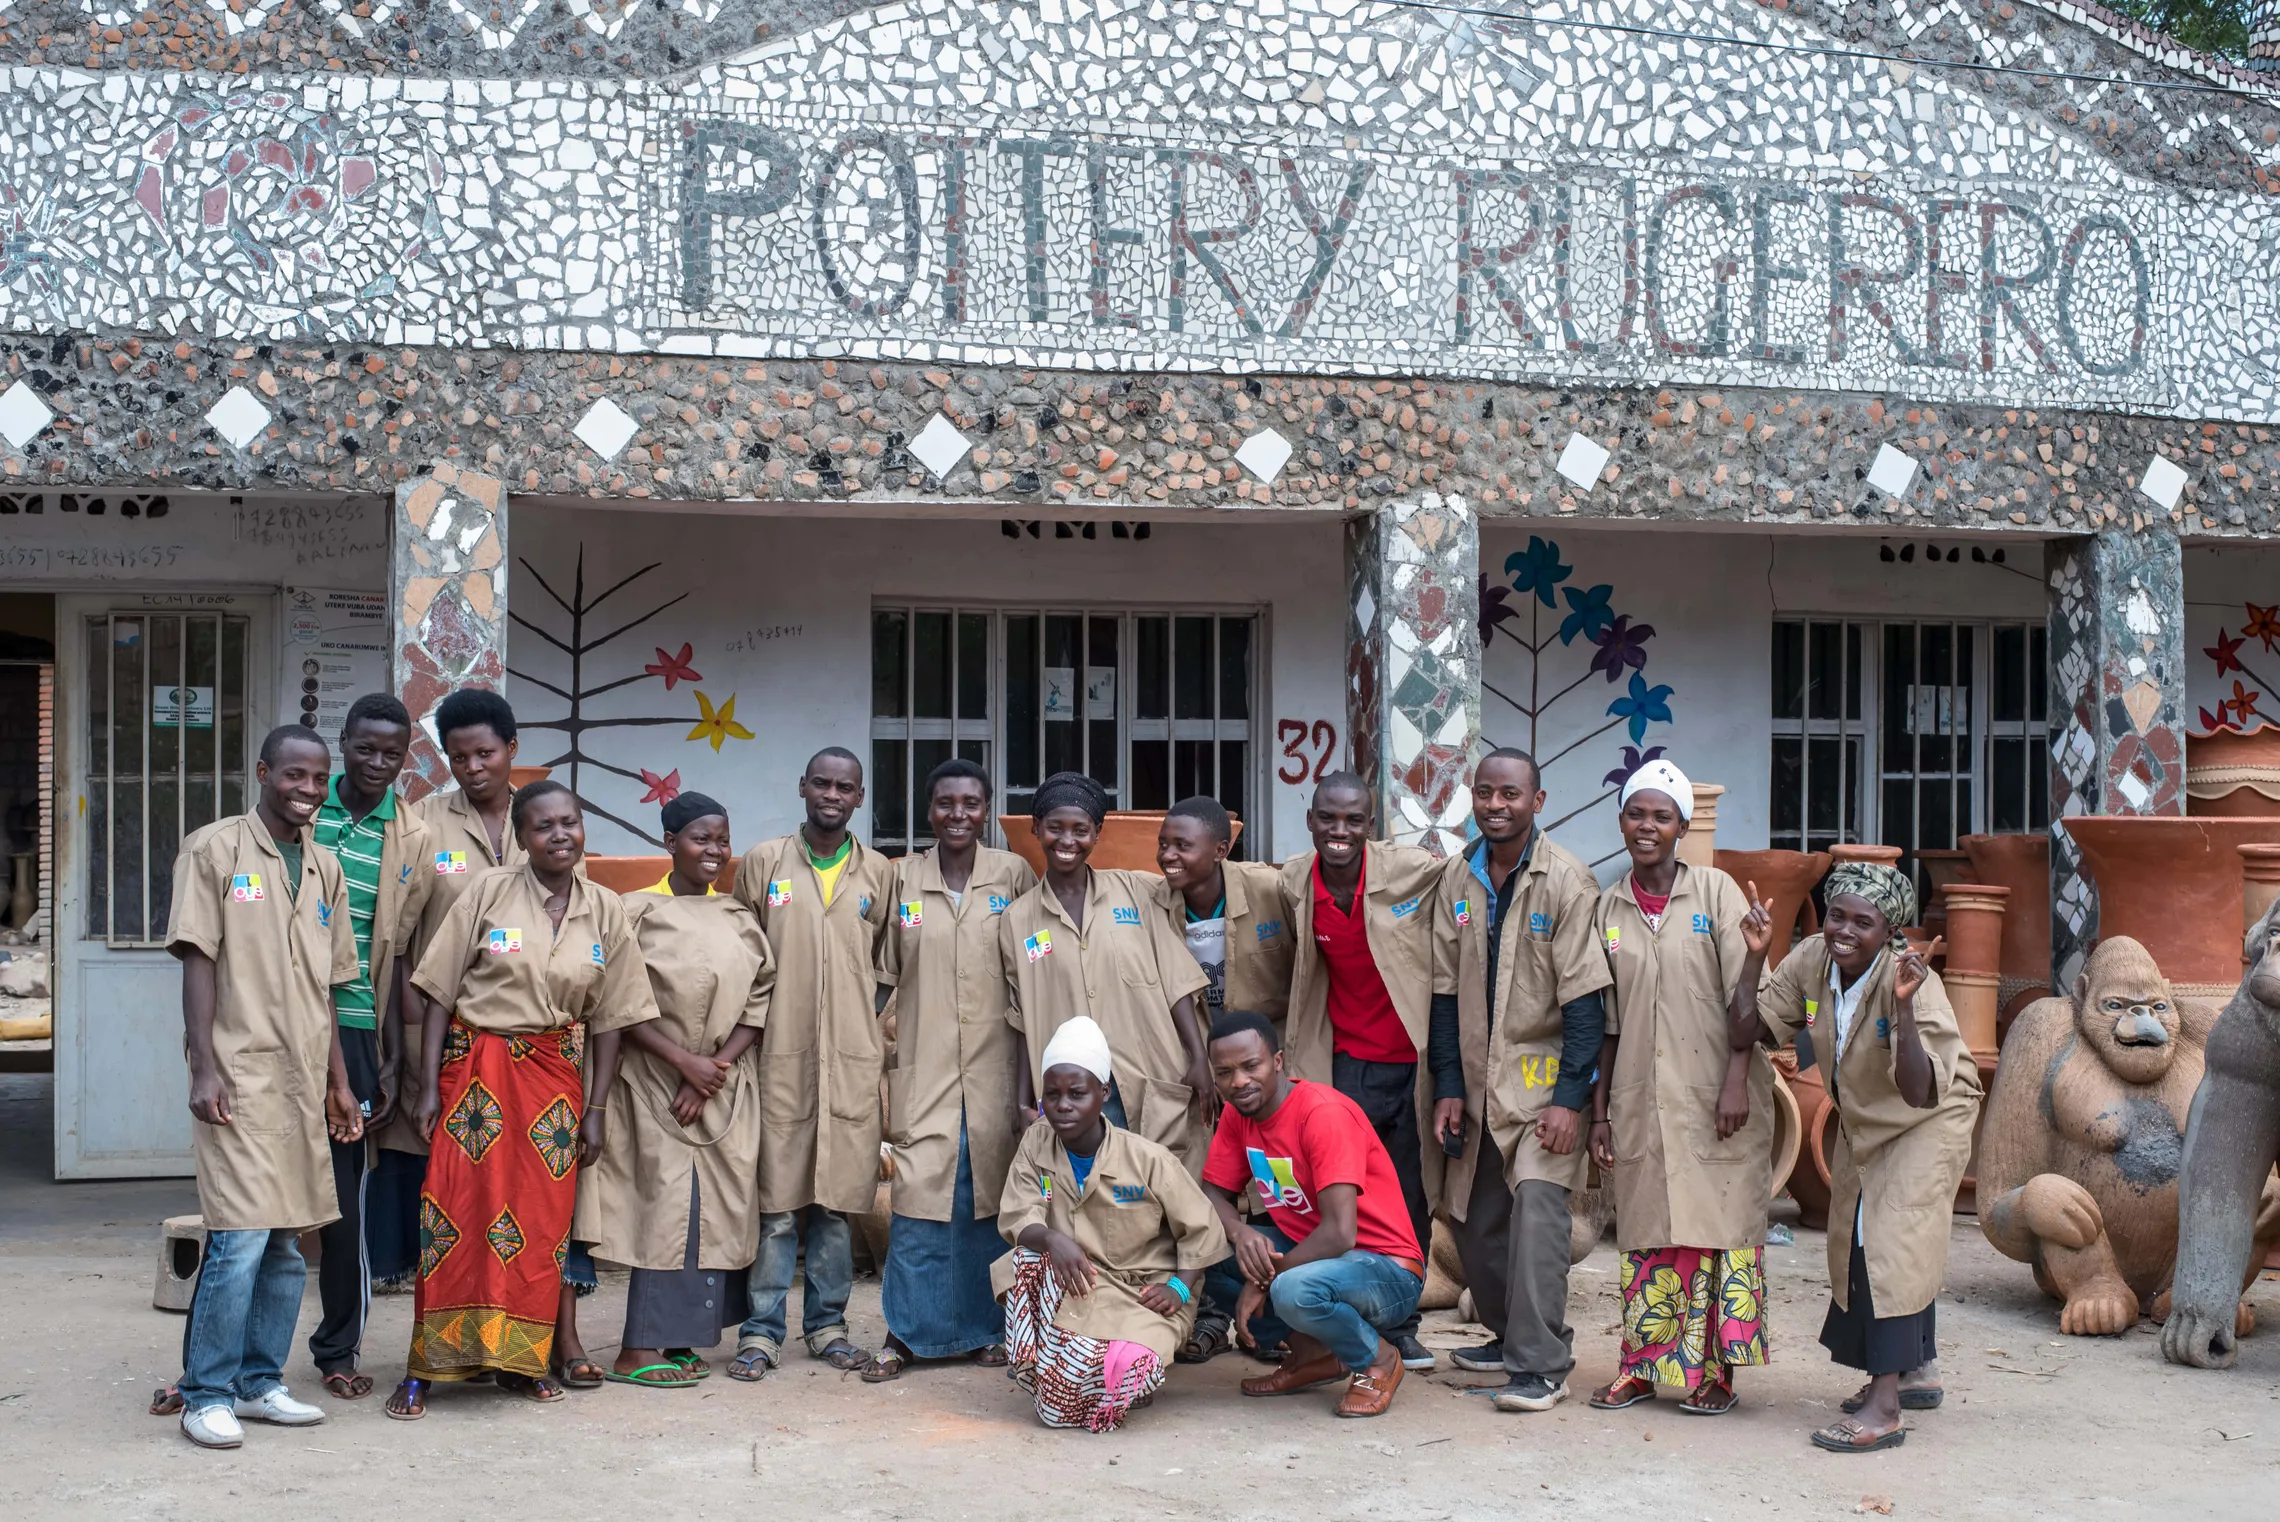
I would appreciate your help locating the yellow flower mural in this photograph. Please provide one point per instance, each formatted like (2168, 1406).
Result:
(718, 724)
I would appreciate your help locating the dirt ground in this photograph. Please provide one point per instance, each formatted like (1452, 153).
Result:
(2034, 1426)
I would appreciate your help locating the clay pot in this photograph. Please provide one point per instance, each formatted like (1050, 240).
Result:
(1973, 997)
(1808, 1177)
(1860, 851)
(1975, 926)
(1127, 840)
(1788, 1133)
(1785, 880)
(2231, 774)
(1698, 847)
(2020, 863)
(631, 874)
(2175, 886)
(2259, 886)
(524, 776)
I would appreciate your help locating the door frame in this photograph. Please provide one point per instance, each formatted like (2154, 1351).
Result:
(69, 946)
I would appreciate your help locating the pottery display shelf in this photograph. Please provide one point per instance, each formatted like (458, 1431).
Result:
(2176, 886)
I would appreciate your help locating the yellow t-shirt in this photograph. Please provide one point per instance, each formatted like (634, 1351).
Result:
(664, 885)
(829, 876)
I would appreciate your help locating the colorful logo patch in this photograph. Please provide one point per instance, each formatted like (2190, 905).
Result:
(504, 941)
(1039, 946)
(912, 914)
(999, 903)
(1614, 939)
(450, 861)
(1278, 1182)
(1125, 915)
(1044, 1186)
(1812, 1010)
(598, 959)
(246, 888)
(779, 893)
(1464, 911)
(1539, 923)
(863, 906)
(1702, 924)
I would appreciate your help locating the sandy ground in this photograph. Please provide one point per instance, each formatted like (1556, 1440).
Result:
(2034, 1425)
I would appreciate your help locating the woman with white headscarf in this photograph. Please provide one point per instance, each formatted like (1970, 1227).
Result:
(1111, 1238)
(1682, 1123)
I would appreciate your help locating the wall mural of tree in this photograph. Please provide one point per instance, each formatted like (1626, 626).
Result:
(1549, 652)
(714, 723)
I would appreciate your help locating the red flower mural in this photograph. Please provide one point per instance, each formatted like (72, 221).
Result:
(2226, 653)
(661, 789)
(674, 668)
(2263, 624)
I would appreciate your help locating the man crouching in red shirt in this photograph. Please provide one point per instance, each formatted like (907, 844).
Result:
(1338, 1262)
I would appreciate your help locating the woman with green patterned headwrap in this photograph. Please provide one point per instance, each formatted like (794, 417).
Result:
(1907, 1095)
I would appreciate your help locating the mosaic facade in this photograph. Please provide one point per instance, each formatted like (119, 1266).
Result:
(1372, 188)
(2117, 672)
(448, 588)
(1413, 664)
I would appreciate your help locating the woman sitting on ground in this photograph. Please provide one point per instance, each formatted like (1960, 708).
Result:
(1907, 1096)
(1111, 1239)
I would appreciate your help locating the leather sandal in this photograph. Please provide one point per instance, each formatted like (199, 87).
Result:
(1627, 1390)
(1849, 1436)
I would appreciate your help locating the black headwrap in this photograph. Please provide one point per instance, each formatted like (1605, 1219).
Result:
(686, 810)
(1070, 790)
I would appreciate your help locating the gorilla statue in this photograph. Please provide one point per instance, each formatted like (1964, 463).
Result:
(2226, 1209)
(2085, 1128)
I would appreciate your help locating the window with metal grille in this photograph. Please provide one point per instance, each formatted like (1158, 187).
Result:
(167, 752)
(1952, 715)
(1154, 706)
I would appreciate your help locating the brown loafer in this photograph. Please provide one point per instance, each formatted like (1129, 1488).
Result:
(1296, 1374)
(1371, 1391)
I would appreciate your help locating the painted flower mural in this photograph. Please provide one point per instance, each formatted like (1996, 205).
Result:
(2241, 710)
(1567, 638)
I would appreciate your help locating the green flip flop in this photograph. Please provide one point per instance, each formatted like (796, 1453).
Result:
(692, 1363)
(635, 1378)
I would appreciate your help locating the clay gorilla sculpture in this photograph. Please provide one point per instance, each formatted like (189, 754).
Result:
(2085, 1126)
(2227, 1217)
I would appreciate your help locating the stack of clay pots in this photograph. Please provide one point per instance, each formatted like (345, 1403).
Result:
(1973, 977)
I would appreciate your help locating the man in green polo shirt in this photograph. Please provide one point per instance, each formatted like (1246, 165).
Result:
(382, 848)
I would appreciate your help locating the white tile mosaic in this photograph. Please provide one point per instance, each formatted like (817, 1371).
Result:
(2163, 482)
(940, 446)
(238, 417)
(1264, 454)
(23, 414)
(1583, 461)
(1893, 471)
(606, 429)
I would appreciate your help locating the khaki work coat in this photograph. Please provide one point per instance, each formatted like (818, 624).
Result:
(1397, 886)
(407, 882)
(1260, 942)
(1899, 1164)
(823, 1050)
(1548, 956)
(710, 972)
(498, 965)
(1126, 969)
(457, 850)
(1675, 1183)
(278, 954)
(1140, 1218)
(955, 1049)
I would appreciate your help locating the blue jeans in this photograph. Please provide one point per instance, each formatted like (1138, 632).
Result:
(241, 1320)
(1342, 1302)
(830, 1279)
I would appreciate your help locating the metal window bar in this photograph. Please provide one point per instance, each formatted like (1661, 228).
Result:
(1825, 732)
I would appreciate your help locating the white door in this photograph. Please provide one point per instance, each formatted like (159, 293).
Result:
(157, 721)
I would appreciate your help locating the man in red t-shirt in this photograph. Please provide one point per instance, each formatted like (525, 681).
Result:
(1337, 1262)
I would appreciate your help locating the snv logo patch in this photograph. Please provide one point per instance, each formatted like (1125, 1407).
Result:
(1402, 911)
(999, 903)
(1124, 914)
(1128, 1194)
(1539, 923)
(1269, 931)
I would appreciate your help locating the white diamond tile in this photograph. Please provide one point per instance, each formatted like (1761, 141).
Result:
(23, 414)
(606, 429)
(2164, 481)
(1583, 460)
(1893, 472)
(238, 417)
(940, 446)
(1264, 454)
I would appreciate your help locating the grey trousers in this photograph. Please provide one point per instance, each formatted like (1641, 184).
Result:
(1514, 1247)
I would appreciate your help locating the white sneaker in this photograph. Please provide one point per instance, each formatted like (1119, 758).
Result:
(212, 1426)
(279, 1408)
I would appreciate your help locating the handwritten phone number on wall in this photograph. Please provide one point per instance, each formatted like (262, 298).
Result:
(86, 559)
(753, 639)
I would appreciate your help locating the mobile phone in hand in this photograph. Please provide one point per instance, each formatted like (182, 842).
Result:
(1453, 1142)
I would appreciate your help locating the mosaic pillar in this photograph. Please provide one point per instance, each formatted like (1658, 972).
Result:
(447, 584)
(1413, 664)
(2117, 696)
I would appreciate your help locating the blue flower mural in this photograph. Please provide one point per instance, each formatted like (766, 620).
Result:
(1643, 705)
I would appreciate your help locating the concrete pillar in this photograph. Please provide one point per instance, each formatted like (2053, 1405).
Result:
(1413, 663)
(447, 586)
(2117, 693)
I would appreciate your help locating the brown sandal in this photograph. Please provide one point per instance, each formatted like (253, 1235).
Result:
(1847, 1435)
(532, 1387)
(347, 1386)
(1627, 1390)
(1704, 1399)
(166, 1400)
(888, 1363)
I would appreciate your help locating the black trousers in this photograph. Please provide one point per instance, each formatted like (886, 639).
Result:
(1387, 1093)
(344, 1284)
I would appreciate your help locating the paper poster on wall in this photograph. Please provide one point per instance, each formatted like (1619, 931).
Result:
(1060, 694)
(174, 707)
(336, 650)
(1100, 691)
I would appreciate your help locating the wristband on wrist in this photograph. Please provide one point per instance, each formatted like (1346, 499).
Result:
(1180, 1290)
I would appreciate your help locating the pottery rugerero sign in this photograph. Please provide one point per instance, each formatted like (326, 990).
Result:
(1321, 186)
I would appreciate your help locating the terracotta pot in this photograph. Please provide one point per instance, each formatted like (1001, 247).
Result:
(1975, 926)
(2259, 885)
(1785, 880)
(2020, 863)
(2229, 774)
(1788, 1133)
(1967, 1193)
(631, 874)
(1127, 840)
(1973, 997)
(523, 776)
(1698, 847)
(1809, 1172)
(1940, 869)
(1860, 851)
(2175, 886)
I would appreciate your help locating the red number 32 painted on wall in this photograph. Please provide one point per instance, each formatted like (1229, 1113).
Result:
(1308, 749)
